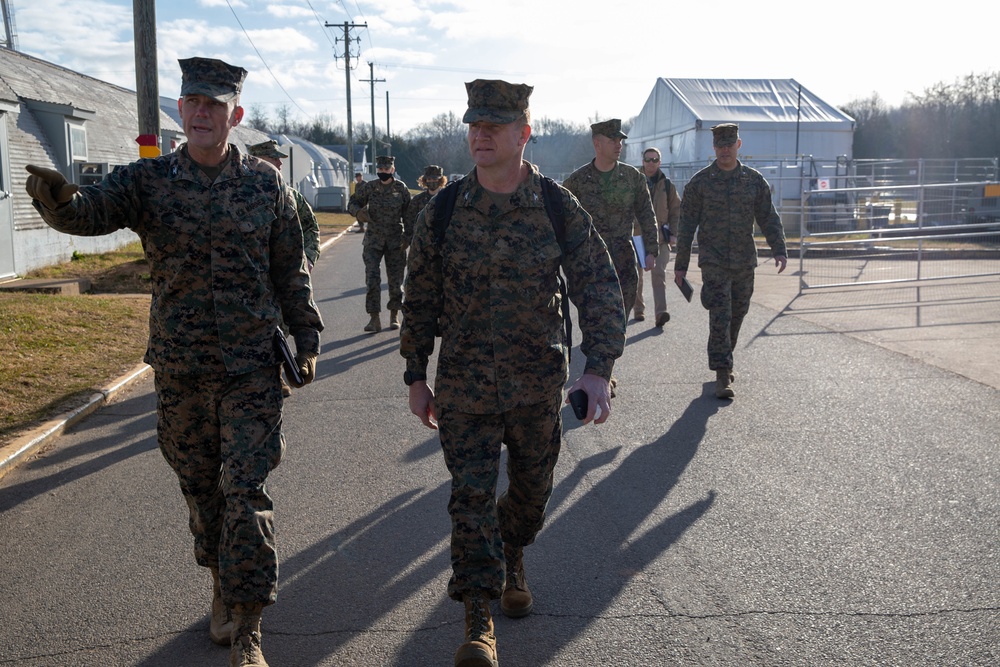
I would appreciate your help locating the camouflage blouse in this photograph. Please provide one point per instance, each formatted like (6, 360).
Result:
(616, 201)
(490, 289)
(225, 258)
(387, 206)
(722, 207)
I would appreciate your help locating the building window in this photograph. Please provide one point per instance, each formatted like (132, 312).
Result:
(77, 142)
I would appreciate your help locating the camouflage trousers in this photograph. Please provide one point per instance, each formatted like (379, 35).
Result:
(222, 436)
(725, 293)
(481, 523)
(658, 276)
(395, 265)
(627, 269)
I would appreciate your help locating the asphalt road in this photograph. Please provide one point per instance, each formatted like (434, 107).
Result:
(843, 510)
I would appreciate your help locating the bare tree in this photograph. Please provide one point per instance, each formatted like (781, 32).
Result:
(444, 143)
(873, 133)
(561, 147)
(258, 119)
(283, 125)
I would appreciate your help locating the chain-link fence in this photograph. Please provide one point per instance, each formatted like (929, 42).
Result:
(873, 221)
(880, 234)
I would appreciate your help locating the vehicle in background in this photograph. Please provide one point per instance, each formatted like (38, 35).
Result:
(984, 204)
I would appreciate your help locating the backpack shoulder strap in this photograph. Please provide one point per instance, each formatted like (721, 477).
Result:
(552, 198)
(444, 206)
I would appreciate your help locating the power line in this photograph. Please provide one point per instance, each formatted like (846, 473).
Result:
(266, 66)
(322, 23)
(451, 69)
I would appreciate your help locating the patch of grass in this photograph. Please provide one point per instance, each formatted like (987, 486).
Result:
(126, 271)
(60, 349)
(122, 271)
(332, 223)
(55, 351)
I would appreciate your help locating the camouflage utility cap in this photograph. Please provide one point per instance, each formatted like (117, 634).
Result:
(609, 128)
(433, 172)
(385, 161)
(495, 101)
(211, 78)
(266, 149)
(725, 134)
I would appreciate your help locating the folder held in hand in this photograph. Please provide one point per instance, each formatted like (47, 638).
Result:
(686, 289)
(291, 368)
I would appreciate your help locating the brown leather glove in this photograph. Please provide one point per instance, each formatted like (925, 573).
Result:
(49, 187)
(363, 216)
(307, 368)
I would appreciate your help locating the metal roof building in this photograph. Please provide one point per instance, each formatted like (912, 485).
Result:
(54, 117)
(777, 118)
(57, 118)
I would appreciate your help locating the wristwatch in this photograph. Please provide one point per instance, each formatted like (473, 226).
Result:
(409, 377)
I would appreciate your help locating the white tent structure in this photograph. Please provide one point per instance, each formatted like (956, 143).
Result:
(778, 118)
(319, 173)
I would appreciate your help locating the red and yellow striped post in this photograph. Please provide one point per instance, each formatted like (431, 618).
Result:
(149, 145)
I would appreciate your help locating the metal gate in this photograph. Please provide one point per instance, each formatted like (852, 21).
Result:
(898, 233)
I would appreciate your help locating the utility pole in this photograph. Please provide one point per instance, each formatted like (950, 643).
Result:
(372, 80)
(388, 135)
(146, 86)
(6, 6)
(347, 72)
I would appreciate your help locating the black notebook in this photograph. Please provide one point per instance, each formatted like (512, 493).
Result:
(291, 368)
(686, 289)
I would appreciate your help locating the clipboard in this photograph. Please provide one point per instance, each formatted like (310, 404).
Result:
(287, 359)
(640, 250)
(686, 289)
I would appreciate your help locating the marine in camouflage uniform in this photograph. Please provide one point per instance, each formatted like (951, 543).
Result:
(721, 203)
(432, 180)
(382, 204)
(310, 227)
(490, 289)
(269, 152)
(616, 198)
(225, 251)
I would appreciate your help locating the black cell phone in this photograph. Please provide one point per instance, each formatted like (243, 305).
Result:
(578, 399)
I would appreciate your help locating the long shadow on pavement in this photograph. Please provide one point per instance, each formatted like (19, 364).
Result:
(347, 593)
(345, 587)
(135, 415)
(586, 555)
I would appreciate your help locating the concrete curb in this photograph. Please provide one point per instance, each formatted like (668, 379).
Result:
(34, 440)
(24, 446)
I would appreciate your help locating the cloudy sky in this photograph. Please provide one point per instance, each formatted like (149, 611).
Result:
(585, 59)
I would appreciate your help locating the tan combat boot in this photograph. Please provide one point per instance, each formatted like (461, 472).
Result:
(246, 651)
(480, 647)
(393, 319)
(516, 600)
(374, 325)
(220, 626)
(723, 382)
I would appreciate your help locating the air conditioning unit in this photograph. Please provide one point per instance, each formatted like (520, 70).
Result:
(89, 173)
